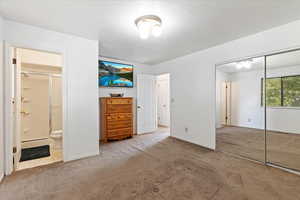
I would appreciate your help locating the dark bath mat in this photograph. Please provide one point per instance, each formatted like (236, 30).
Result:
(35, 153)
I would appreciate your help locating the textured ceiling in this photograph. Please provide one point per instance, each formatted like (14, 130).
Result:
(188, 25)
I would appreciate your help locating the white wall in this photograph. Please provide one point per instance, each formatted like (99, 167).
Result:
(81, 136)
(246, 102)
(193, 80)
(1, 103)
(246, 110)
(128, 92)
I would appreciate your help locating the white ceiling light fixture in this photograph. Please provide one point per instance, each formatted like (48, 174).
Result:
(149, 25)
(239, 65)
(247, 64)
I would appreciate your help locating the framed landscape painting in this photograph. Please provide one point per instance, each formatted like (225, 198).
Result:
(112, 74)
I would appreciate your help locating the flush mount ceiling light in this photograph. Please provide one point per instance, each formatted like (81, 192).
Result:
(149, 25)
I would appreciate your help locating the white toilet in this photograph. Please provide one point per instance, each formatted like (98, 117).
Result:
(56, 136)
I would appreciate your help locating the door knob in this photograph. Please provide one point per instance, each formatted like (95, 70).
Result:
(139, 107)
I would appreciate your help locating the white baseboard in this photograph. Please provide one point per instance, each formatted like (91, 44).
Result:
(196, 143)
(81, 155)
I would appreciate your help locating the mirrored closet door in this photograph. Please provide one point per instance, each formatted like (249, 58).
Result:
(240, 110)
(283, 109)
(258, 109)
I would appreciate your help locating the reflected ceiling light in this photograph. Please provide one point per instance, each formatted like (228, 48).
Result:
(247, 64)
(149, 25)
(239, 65)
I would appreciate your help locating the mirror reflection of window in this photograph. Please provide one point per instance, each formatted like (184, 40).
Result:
(291, 91)
(283, 109)
(283, 91)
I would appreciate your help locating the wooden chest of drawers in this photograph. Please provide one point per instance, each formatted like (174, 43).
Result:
(116, 119)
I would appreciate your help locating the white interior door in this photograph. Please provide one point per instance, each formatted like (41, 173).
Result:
(163, 91)
(146, 103)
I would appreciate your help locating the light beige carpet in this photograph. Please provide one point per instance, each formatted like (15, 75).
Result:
(282, 148)
(150, 167)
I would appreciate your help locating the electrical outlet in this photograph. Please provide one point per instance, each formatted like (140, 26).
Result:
(249, 120)
(186, 129)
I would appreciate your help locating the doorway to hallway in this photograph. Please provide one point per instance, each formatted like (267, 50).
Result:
(163, 100)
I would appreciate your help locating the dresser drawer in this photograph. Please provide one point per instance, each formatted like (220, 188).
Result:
(119, 116)
(119, 101)
(116, 118)
(119, 108)
(119, 132)
(119, 124)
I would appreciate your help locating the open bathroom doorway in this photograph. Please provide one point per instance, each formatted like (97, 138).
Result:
(37, 120)
(163, 102)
